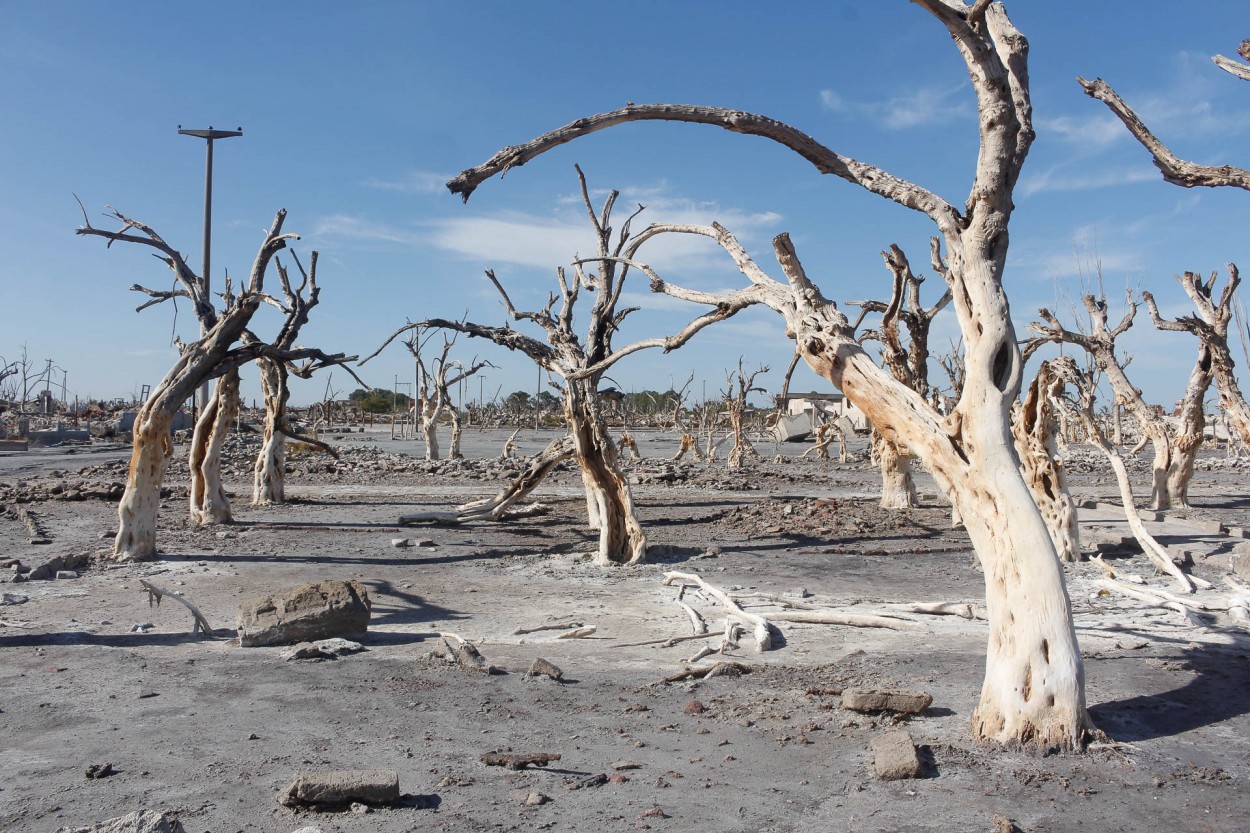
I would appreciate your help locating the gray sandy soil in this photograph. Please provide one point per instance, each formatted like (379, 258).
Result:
(211, 732)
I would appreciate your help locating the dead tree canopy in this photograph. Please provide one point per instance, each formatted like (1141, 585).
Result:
(1034, 683)
(217, 352)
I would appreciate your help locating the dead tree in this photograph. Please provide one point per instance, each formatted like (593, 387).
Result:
(738, 386)
(1034, 683)
(278, 360)
(433, 395)
(1210, 326)
(909, 365)
(581, 364)
(1174, 449)
(1063, 371)
(212, 356)
(1174, 169)
(1035, 425)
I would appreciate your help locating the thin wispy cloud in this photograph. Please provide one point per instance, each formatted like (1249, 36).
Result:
(413, 182)
(343, 226)
(1092, 131)
(1061, 178)
(924, 106)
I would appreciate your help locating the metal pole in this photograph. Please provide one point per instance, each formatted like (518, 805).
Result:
(208, 135)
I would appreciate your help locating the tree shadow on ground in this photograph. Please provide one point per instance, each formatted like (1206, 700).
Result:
(1219, 690)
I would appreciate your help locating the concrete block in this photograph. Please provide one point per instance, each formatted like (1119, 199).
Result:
(895, 756)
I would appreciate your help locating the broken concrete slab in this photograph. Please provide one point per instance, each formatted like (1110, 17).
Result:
(322, 649)
(140, 821)
(377, 787)
(320, 610)
(58, 564)
(885, 700)
(895, 756)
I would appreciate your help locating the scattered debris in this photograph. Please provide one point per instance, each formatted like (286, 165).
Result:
(579, 633)
(455, 649)
(724, 668)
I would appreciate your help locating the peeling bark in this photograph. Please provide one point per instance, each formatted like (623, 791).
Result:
(269, 472)
(209, 504)
(610, 502)
(1034, 425)
(898, 486)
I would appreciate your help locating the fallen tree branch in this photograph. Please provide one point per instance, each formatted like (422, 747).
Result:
(763, 636)
(155, 594)
(963, 610)
(724, 668)
(1154, 600)
(562, 626)
(834, 617)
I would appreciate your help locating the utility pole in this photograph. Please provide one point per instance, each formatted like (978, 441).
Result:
(209, 136)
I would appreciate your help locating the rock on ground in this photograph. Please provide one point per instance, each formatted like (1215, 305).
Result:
(321, 610)
(140, 821)
(896, 756)
(370, 786)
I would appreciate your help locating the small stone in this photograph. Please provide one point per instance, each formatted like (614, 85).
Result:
(143, 627)
(620, 765)
(360, 809)
(66, 574)
(536, 799)
(695, 707)
(100, 771)
(226, 535)
(400, 543)
(895, 756)
(543, 668)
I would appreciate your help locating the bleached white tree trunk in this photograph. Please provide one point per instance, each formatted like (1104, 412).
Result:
(269, 472)
(610, 504)
(1034, 682)
(1099, 342)
(898, 486)
(209, 503)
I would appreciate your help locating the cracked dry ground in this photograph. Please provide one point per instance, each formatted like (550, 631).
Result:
(212, 732)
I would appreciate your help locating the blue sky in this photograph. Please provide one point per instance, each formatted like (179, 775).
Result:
(356, 114)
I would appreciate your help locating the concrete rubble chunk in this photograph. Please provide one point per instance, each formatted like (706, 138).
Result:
(896, 757)
(321, 610)
(140, 821)
(885, 700)
(376, 787)
(322, 649)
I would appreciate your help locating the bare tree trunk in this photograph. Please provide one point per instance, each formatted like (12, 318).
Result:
(429, 429)
(454, 452)
(898, 486)
(1035, 426)
(608, 497)
(149, 457)
(209, 504)
(269, 473)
